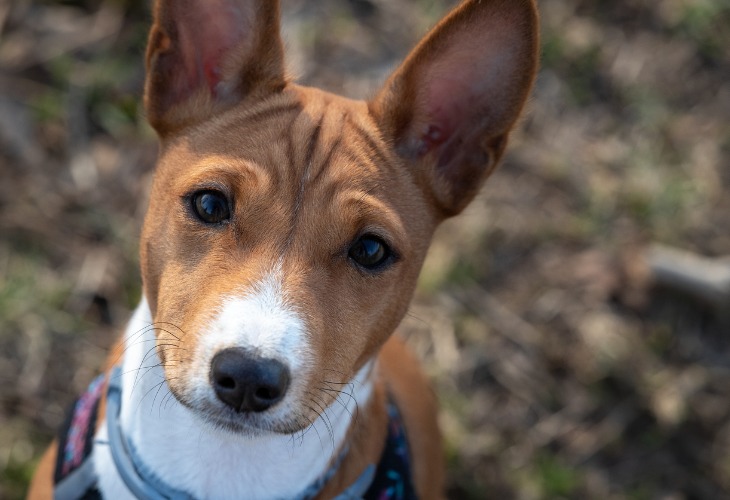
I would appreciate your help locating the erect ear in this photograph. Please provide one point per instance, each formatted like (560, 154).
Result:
(203, 56)
(450, 106)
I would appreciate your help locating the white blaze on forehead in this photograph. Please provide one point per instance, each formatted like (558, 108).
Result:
(260, 320)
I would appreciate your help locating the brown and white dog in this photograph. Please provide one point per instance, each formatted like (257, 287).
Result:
(285, 233)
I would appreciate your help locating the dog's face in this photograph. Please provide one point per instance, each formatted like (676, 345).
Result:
(304, 251)
(287, 226)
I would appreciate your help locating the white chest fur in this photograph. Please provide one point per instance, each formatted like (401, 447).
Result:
(206, 462)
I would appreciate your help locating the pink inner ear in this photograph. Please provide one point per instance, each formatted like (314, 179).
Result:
(208, 32)
(466, 85)
(444, 102)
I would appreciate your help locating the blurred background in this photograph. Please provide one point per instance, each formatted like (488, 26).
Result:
(567, 366)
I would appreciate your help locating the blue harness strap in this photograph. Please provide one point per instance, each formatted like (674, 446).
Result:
(75, 478)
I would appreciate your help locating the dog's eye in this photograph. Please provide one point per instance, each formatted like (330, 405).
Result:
(211, 206)
(370, 252)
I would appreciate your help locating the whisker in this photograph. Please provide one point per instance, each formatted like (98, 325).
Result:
(313, 426)
(299, 435)
(171, 324)
(338, 396)
(134, 339)
(144, 358)
(167, 399)
(169, 394)
(325, 417)
(164, 330)
(139, 403)
(339, 400)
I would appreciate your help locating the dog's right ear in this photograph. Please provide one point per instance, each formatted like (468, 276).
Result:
(204, 56)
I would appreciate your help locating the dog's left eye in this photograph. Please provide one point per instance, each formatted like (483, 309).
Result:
(370, 252)
(211, 206)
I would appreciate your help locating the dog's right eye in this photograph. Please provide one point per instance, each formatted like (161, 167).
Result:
(211, 206)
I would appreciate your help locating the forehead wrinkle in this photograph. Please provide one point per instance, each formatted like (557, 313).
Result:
(270, 153)
(317, 145)
(327, 143)
(259, 113)
(361, 155)
(325, 152)
(369, 146)
(304, 177)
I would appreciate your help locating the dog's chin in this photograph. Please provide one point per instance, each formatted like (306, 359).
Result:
(246, 424)
(249, 426)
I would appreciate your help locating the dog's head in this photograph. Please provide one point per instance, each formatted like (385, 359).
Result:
(287, 226)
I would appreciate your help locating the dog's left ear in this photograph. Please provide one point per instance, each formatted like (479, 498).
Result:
(203, 56)
(450, 106)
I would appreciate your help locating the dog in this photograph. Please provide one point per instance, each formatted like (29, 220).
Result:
(285, 232)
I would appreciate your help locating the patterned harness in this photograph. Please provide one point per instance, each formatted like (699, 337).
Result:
(75, 478)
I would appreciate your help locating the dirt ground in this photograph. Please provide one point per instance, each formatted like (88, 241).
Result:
(562, 371)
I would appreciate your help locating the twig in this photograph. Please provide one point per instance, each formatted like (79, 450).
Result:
(705, 279)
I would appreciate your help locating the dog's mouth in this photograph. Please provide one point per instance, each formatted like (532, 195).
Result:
(251, 424)
(217, 415)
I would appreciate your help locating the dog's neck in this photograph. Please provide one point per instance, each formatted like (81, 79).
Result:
(181, 447)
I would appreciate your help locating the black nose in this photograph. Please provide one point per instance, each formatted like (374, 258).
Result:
(246, 382)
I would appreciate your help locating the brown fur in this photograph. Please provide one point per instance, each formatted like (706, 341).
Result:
(41, 487)
(308, 172)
